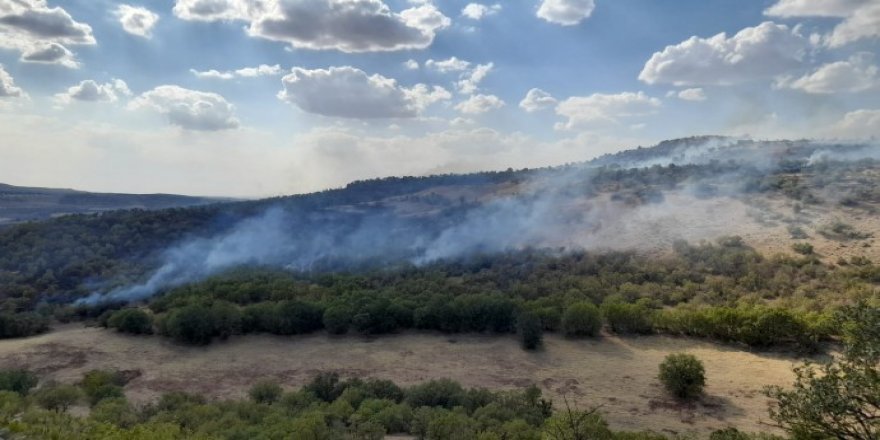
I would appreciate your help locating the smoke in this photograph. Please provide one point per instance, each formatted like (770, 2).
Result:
(854, 154)
(552, 208)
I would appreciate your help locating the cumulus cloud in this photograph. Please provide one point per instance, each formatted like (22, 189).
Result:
(41, 33)
(91, 91)
(537, 99)
(219, 10)
(692, 94)
(477, 11)
(452, 64)
(189, 109)
(411, 64)
(864, 123)
(861, 18)
(347, 92)
(470, 81)
(137, 20)
(602, 109)
(754, 53)
(344, 25)
(7, 85)
(246, 72)
(478, 104)
(566, 12)
(51, 53)
(856, 74)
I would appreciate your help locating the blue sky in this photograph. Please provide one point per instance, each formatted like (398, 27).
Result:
(169, 95)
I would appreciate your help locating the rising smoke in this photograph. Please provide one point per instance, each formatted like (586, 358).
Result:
(552, 209)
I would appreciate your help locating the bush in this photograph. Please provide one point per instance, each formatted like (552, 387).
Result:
(803, 248)
(17, 381)
(265, 391)
(99, 385)
(190, 325)
(18, 325)
(225, 319)
(683, 375)
(530, 330)
(626, 318)
(581, 319)
(57, 397)
(134, 321)
(337, 320)
(443, 392)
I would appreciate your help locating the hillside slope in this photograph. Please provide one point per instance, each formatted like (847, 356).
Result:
(18, 203)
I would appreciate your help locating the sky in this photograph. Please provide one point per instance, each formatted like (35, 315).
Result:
(255, 98)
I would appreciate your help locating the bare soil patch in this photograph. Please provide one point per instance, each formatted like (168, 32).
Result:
(617, 373)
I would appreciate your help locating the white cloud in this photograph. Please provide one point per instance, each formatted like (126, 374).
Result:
(477, 11)
(91, 91)
(693, 94)
(566, 12)
(137, 20)
(856, 74)
(452, 64)
(219, 10)
(7, 85)
(189, 109)
(41, 33)
(754, 53)
(537, 99)
(344, 25)
(861, 18)
(478, 104)
(602, 109)
(347, 92)
(411, 64)
(470, 81)
(864, 123)
(246, 72)
(817, 8)
(51, 53)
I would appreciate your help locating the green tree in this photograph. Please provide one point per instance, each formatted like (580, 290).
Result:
(582, 319)
(191, 324)
(337, 319)
(530, 330)
(57, 397)
(683, 375)
(840, 399)
(134, 321)
(18, 381)
(265, 391)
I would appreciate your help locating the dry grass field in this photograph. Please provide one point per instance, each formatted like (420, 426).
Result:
(617, 373)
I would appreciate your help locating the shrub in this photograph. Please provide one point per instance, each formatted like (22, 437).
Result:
(17, 381)
(683, 375)
(530, 330)
(17, 325)
(190, 325)
(134, 321)
(443, 392)
(225, 319)
(325, 386)
(266, 392)
(57, 397)
(581, 319)
(297, 317)
(99, 385)
(803, 248)
(626, 318)
(116, 411)
(337, 320)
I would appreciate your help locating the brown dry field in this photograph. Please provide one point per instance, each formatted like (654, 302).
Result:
(617, 373)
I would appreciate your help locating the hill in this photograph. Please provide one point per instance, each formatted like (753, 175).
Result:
(18, 204)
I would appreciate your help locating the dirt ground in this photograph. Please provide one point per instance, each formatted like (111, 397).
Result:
(618, 374)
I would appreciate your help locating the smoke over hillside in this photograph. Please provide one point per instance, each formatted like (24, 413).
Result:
(625, 201)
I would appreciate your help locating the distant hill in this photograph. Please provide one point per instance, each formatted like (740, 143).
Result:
(18, 204)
